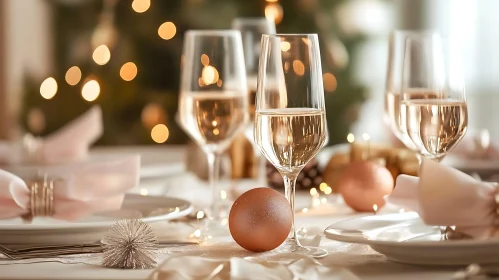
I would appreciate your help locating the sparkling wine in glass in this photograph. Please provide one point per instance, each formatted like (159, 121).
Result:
(433, 110)
(290, 123)
(213, 103)
(252, 30)
(393, 87)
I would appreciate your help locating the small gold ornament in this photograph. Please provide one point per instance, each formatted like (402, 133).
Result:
(130, 244)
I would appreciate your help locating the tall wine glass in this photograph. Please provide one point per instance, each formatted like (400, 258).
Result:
(252, 30)
(433, 108)
(213, 103)
(393, 86)
(290, 118)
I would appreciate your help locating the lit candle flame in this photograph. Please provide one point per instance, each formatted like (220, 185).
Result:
(366, 136)
(375, 208)
(223, 194)
(323, 186)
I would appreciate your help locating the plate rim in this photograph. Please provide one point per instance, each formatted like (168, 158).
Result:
(97, 225)
(419, 244)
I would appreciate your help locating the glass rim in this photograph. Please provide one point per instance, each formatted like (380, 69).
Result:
(250, 19)
(212, 32)
(290, 35)
(413, 31)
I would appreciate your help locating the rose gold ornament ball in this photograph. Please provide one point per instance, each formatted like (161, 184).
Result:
(260, 219)
(365, 183)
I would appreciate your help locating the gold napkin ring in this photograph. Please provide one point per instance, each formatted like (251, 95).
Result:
(41, 198)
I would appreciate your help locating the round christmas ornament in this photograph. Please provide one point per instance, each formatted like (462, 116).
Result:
(260, 219)
(364, 184)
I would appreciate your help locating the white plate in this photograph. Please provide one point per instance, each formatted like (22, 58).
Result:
(90, 229)
(155, 161)
(405, 238)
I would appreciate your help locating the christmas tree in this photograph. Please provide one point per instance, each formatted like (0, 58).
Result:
(125, 56)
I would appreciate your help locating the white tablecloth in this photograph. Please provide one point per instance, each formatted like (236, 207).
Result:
(359, 259)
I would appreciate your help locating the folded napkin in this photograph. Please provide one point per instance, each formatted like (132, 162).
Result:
(444, 196)
(78, 189)
(70, 143)
(193, 267)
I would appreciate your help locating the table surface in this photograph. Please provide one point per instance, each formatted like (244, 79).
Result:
(375, 270)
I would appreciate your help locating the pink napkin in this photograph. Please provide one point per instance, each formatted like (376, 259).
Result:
(79, 189)
(444, 196)
(70, 143)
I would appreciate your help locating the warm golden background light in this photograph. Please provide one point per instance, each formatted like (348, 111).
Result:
(205, 60)
(73, 76)
(48, 88)
(167, 30)
(101, 55)
(128, 71)
(152, 114)
(273, 11)
(209, 75)
(160, 133)
(298, 67)
(90, 90)
(330, 82)
(141, 6)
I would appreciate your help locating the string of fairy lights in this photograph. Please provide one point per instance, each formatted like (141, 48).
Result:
(153, 116)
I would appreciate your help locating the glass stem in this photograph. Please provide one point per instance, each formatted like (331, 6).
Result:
(289, 190)
(213, 172)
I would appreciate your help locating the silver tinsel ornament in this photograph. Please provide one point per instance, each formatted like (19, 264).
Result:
(130, 244)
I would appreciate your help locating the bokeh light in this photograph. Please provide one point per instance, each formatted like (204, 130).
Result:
(73, 76)
(285, 46)
(273, 11)
(160, 133)
(152, 114)
(330, 82)
(167, 30)
(128, 71)
(48, 88)
(141, 6)
(209, 75)
(298, 67)
(90, 90)
(205, 60)
(101, 55)
(350, 138)
(36, 120)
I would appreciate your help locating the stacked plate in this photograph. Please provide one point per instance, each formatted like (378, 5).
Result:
(405, 238)
(157, 163)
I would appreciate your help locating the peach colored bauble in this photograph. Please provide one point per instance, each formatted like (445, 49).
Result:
(364, 184)
(260, 220)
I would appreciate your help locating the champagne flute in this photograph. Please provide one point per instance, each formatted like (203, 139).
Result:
(393, 86)
(433, 108)
(252, 30)
(213, 103)
(290, 123)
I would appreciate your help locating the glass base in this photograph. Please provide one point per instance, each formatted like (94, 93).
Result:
(291, 246)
